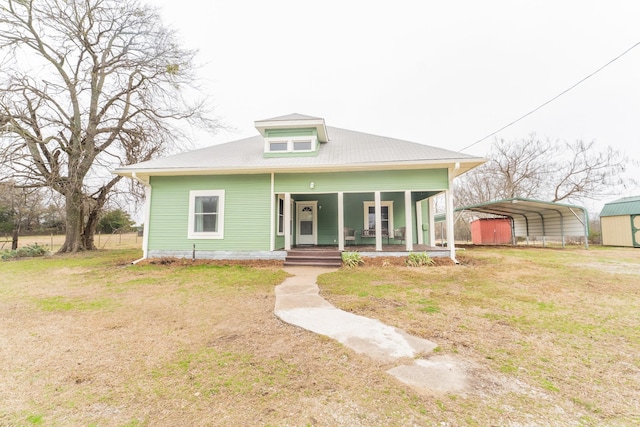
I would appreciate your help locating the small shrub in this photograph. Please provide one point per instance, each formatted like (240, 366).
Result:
(419, 260)
(24, 252)
(351, 259)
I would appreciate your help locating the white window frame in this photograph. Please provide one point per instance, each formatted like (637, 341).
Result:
(280, 213)
(192, 209)
(290, 141)
(388, 204)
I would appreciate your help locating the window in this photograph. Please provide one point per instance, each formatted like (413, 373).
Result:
(280, 215)
(291, 145)
(386, 213)
(301, 145)
(206, 214)
(278, 146)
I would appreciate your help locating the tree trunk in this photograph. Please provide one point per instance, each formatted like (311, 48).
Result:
(89, 230)
(14, 239)
(73, 241)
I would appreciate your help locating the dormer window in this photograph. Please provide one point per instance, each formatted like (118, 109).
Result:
(293, 135)
(277, 146)
(303, 144)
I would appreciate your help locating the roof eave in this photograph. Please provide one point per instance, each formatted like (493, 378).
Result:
(463, 165)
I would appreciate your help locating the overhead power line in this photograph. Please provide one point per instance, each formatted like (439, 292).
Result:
(554, 98)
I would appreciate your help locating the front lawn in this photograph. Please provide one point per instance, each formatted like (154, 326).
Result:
(553, 338)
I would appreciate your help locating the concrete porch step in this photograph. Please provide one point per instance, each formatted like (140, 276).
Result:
(310, 257)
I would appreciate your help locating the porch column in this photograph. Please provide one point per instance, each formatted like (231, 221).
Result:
(340, 221)
(378, 210)
(450, 220)
(147, 221)
(408, 221)
(448, 195)
(419, 222)
(432, 222)
(274, 226)
(287, 221)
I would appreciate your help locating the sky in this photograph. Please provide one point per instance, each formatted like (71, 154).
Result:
(441, 73)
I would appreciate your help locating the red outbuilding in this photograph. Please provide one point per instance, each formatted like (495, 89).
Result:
(491, 231)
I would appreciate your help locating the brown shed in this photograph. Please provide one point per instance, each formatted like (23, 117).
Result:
(620, 222)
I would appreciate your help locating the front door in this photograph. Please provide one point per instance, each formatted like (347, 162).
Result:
(306, 214)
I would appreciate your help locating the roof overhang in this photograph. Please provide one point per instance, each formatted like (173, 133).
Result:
(457, 167)
(536, 218)
(317, 123)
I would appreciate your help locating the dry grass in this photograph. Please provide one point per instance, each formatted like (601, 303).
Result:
(563, 324)
(53, 242)
(552, 337)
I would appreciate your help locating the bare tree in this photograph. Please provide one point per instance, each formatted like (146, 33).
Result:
(85, 86)
(542, 169)
(587, 173)
(22, 208)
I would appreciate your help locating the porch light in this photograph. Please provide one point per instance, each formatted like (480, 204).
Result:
(312, 184)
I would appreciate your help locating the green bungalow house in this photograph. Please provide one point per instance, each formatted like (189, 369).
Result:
(298, 183)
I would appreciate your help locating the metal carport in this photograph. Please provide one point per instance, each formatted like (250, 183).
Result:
(535, 218)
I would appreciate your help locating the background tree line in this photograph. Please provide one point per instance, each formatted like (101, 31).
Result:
(38, 211)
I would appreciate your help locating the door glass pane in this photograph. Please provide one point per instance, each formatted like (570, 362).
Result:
(306, 214)
(306, 228)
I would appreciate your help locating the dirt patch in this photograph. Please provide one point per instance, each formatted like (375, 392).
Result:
(184, 262)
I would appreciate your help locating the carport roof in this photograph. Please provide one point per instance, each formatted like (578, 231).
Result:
(538, 218)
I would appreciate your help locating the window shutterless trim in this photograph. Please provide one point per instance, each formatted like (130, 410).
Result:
(219, 234)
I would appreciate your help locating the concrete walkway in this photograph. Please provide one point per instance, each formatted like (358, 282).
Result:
(298, 302)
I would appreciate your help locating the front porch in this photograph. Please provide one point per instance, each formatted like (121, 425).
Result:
(330, 255)
(376, 223)
(398, 250)
(387, 249)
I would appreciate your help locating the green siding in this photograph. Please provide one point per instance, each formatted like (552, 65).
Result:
(416, 180)
(246, 212)
(247, 217)
(277, 133)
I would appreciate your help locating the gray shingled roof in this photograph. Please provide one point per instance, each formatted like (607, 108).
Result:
(289, 117)
(346, 150)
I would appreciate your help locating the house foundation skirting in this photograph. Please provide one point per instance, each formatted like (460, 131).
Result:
(280, 255)
(230, 255)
